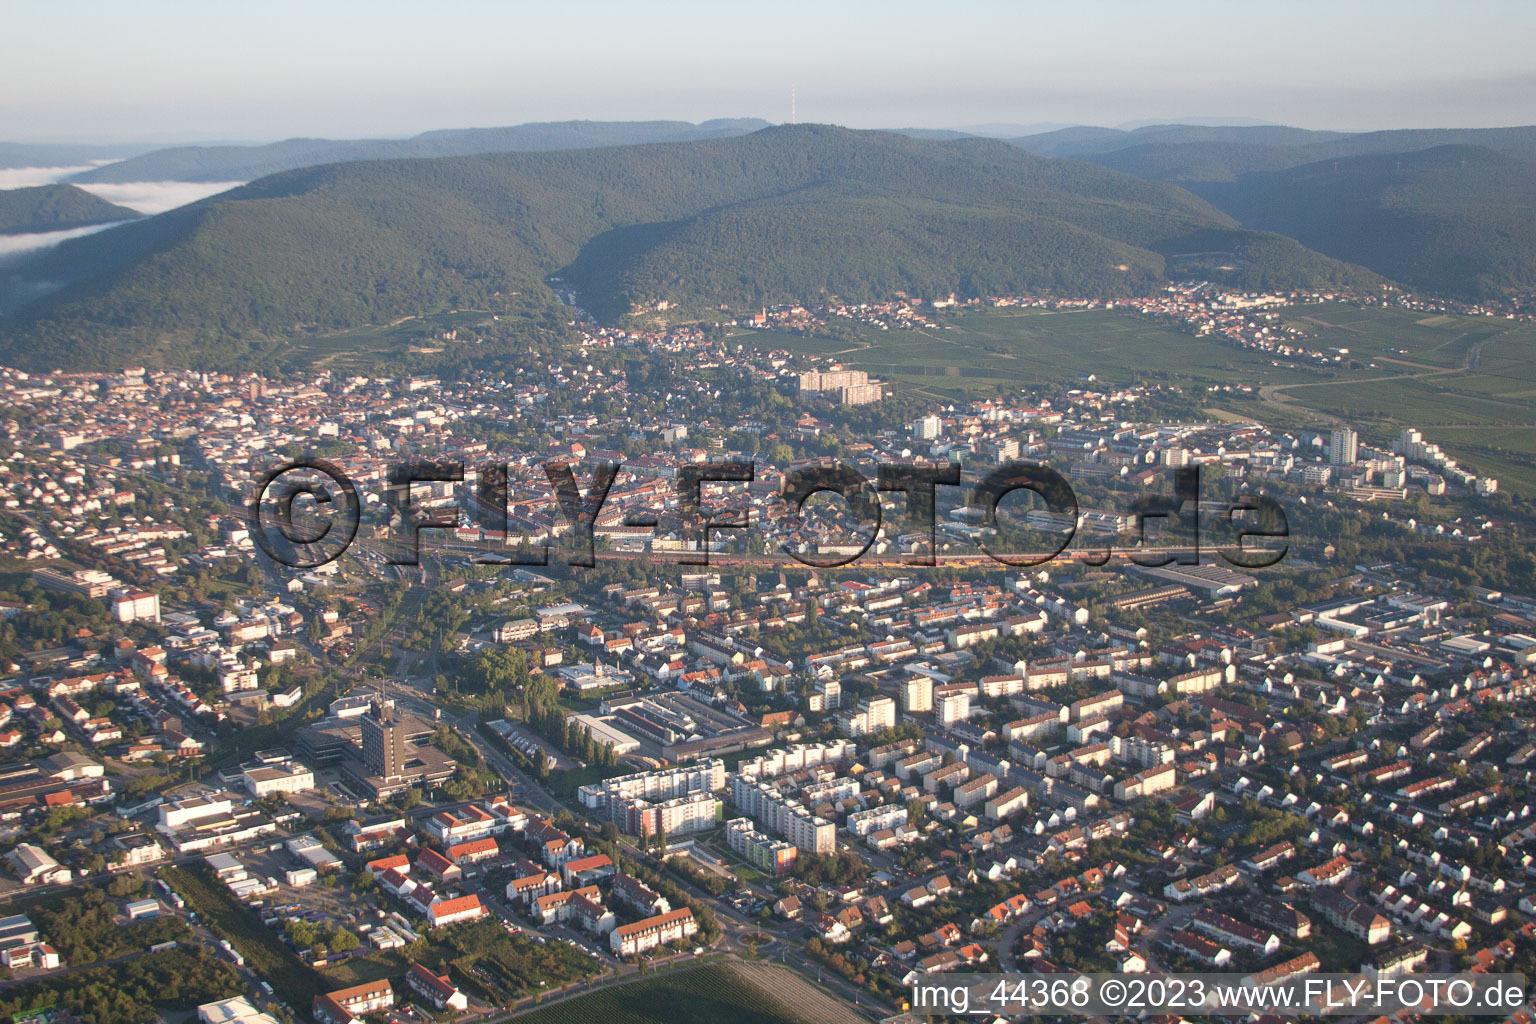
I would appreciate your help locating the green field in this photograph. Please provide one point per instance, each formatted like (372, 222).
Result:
(1403, 335)
(1469, 383)
(711, 994)
(977, 352)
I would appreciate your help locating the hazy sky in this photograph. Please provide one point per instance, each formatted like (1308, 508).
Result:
(72, 70)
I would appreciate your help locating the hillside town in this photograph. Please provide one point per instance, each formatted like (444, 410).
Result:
(471, 763)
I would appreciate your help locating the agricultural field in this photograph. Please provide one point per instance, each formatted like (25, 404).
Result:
(1469, 383)
(1407, 337)
(975, 352)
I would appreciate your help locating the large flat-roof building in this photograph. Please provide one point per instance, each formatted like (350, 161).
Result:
(381, 751)
(233, 1011)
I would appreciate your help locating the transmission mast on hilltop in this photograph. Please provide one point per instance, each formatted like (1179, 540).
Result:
(791, 103)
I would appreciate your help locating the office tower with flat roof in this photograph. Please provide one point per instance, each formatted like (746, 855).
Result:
(383, 742)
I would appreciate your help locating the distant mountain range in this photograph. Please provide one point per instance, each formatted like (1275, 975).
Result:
(786, 213)
(722, 215)
(1150, 150)
(28, 154)
(1154, 151)
(244, 163)
(1086, 141)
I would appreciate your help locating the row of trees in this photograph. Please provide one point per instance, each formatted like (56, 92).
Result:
(571, 736)
(543, 713)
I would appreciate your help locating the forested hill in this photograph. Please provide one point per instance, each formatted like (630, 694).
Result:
(243, 163)
(55, 208)
(1454, 220)
(793, 211)
(1451, 211)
